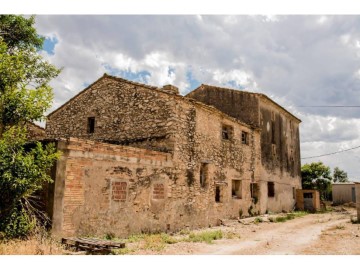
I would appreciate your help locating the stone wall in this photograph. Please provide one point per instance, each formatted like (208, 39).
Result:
(35, 132)
(124, 112)
(280, 156)
(207, 164)
(111, 189)
(280, 143)
(238, 104)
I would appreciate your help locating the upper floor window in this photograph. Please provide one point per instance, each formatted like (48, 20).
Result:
(91, 125)
(244, 137)
(226, 132)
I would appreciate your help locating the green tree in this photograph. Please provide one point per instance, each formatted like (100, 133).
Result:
(25, 95)
(340, 176)
(316, 175)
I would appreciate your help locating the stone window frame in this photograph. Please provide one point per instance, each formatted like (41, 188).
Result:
(234, 194)
(271, 189)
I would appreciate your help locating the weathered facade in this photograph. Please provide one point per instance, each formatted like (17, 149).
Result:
(148, 159)
(343, 193)
(280, 140)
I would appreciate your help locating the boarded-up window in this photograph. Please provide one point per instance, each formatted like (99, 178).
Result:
(271, 189)
(91, 125)
(204, 167)
(159, 191)
(236, 189)
(119, 191)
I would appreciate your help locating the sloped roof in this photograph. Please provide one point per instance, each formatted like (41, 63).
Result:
(101, 78)
(154, 88)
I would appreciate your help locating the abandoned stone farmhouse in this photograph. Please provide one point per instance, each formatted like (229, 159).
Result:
(137, 158)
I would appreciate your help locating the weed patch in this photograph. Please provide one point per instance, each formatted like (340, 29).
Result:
(289, 216)
(207, 237)
(258, 220)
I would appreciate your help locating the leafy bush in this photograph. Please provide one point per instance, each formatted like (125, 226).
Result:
(17, 224)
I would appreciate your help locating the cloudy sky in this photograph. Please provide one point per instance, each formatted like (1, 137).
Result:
(299, 61)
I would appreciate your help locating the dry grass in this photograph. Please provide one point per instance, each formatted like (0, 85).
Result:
(31, 246)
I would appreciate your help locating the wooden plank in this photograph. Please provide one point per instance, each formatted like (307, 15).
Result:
(91, 244)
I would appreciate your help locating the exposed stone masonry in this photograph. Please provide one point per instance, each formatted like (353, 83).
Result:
(168, 166)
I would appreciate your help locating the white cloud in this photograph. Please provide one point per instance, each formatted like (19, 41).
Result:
(296, 60)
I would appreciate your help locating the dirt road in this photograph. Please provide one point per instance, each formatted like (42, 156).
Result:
(326, 233)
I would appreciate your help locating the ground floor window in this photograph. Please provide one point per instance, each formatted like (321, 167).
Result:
(254, 191)
(271, 189)
(217, 194)
(236, 190)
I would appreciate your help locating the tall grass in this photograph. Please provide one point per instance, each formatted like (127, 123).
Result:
(32, 246)
(207, 237)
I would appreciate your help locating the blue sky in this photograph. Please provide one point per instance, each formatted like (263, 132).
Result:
(295, 60)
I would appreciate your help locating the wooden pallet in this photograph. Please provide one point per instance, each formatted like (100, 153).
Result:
(91, 244)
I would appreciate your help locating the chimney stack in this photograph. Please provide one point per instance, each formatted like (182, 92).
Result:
(171, 89)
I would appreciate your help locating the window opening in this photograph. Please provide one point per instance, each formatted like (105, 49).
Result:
(244, 137)
(271, 189)
(91, 124)
(236, 191)
(254, 191)
(217, 194)
(226, 132)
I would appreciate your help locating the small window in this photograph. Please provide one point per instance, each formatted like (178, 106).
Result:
(217, 194)
(254, 191)
(203, 174)
(294, 193)
(271, 189)
(308, 195)
(236, 191)
(227, 132)
(244, 137)
(91, 124)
